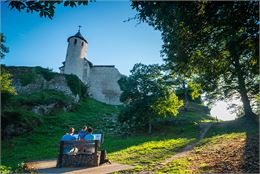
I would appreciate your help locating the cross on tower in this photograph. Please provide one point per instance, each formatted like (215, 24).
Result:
(79, 27)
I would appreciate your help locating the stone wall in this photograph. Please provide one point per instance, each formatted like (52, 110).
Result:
(76, 52)
(58, 82)
(103, 84)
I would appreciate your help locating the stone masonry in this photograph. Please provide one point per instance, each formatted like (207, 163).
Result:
(102, 80)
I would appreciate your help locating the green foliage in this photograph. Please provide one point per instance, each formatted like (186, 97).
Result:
(19, 116)
(42, 141)
(202, 42)
(147, 96)
(76, 85)
(44, 8)
(17, 112)
(47, 96)
(196, 88)
(3, 48)
(5, 169)
(140, 150)
(6, 82)
(168, 106)
(27, 78)
(46, 73)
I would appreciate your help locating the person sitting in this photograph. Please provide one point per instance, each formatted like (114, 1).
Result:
(69, 137)
(82, 133)
(89, 136)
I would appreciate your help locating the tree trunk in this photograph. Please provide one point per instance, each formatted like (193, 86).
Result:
(242, 90)
(185, 96)
(150, 125)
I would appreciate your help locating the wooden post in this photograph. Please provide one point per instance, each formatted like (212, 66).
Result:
(59, 163)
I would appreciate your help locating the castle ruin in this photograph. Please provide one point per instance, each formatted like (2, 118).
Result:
(102, 80)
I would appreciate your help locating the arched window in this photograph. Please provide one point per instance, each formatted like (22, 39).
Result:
(82, 43)
(75, 41)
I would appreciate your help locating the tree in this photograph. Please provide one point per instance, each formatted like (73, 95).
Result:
(6, 82)
(5, 76)
(215, 41)
(44, 8)
(3, 49)
(146, 96)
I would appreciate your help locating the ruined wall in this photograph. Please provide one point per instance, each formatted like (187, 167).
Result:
(58, 82)
(103, 84)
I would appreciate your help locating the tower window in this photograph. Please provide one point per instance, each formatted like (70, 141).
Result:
(82, 43)
(75, 41)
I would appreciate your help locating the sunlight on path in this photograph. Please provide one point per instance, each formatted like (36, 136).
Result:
(220, 111)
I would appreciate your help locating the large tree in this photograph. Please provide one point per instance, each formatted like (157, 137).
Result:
(215, 41)
(146, 96)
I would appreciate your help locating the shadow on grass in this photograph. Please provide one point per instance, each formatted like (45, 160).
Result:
(184, 131)
(251, 150)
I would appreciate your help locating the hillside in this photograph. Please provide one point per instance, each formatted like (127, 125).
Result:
(228, 146)
(42, 141)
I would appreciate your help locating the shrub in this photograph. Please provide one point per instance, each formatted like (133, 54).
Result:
(46, 73)
(27, 78)
(47, 96)
(19, 121)
(5, 169)
(76, 85)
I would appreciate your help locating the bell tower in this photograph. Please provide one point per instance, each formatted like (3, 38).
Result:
(76, 53)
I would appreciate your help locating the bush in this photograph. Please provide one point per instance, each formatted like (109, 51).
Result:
(27, 78)
(76, 85)
(5, 169)
(47, 96)
(17, 120)
(46, 73)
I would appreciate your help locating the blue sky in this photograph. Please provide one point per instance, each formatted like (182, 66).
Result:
(35, 41)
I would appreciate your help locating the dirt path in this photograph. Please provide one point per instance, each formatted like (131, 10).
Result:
(49, 166)
(185, 151)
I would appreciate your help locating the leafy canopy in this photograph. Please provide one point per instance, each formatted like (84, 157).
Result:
(147, 96)
(216, 41)
(44, 8)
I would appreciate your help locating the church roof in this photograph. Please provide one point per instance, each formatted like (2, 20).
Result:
(78, 35)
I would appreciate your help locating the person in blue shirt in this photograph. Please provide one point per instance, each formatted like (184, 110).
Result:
(89, 136)
(82, 133)
(69, 137)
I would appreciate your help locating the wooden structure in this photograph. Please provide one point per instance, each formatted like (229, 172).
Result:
(86, 154)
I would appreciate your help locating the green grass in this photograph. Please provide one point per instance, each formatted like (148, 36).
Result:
(42, 142)
(145, 152)
(142, 150)
(46, 96)
(225, 140)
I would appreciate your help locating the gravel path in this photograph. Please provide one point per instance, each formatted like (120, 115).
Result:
(49, 166)
(185, 151)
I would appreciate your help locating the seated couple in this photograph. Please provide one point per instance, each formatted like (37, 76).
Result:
(82, 136)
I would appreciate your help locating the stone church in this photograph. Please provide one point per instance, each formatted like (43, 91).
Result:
(102, 80)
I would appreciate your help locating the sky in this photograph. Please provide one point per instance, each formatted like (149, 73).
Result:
(35, 41)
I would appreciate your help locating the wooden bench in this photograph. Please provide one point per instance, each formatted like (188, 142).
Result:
(89, 157)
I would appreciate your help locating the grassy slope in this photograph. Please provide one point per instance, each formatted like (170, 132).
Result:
(143, 151)
(42, 142)
(229, 147)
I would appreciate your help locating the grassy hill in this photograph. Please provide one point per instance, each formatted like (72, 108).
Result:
(141, 150)
(224, 140)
